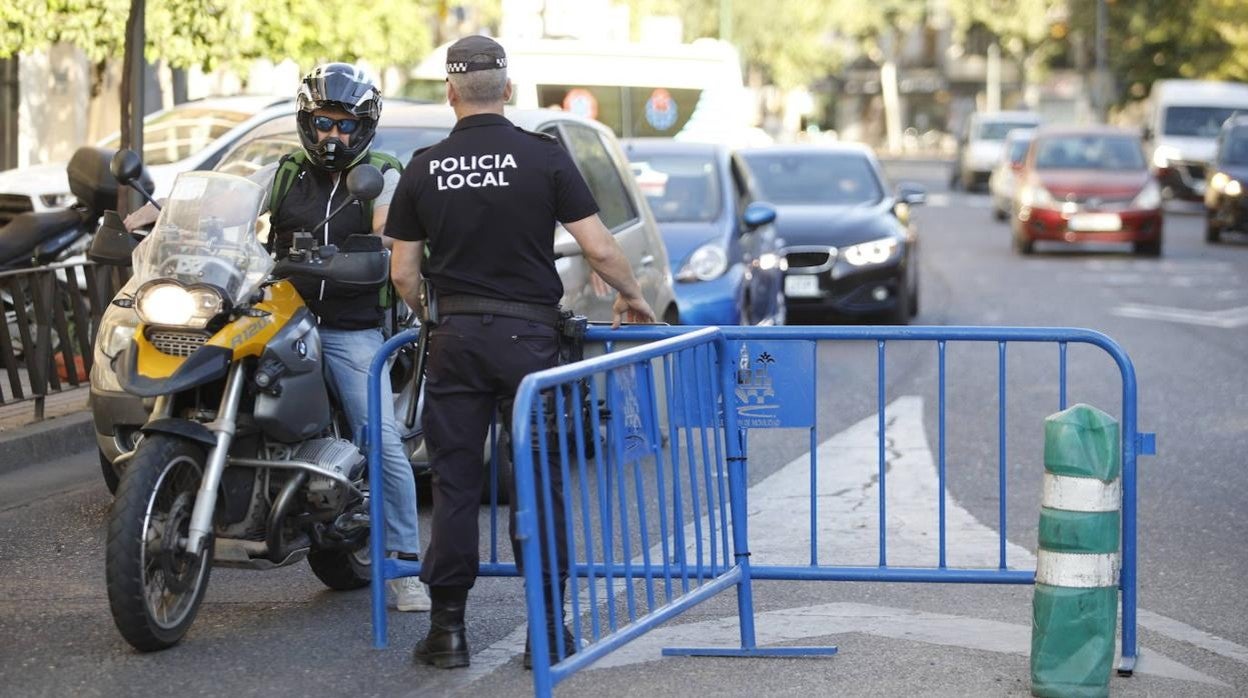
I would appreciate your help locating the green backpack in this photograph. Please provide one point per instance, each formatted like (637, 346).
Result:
(288, 169)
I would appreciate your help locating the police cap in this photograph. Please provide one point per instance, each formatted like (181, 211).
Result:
(475, 53)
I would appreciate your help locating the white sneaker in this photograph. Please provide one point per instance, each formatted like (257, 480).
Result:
(409, 594)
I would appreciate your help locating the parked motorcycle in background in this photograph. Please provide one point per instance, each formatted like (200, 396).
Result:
(30, 240)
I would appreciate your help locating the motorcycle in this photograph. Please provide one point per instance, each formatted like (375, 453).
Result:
(33, 240)
(243, 461)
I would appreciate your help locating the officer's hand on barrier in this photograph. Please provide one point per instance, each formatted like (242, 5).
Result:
(631, 310)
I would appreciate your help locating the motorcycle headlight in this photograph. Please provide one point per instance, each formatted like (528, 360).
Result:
(708, 262)
(1149, 196)
(1233, 188)
(174, 305)
(873, 252)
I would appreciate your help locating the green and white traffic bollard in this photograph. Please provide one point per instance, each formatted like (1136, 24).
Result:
(1075, 607)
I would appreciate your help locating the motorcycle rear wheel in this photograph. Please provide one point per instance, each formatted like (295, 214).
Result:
(341, 570)
(154, 587)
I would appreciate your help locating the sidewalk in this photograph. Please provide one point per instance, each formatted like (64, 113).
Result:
(66, 429)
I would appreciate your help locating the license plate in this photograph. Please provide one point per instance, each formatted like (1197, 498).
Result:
(801, 286)
(1095, 222)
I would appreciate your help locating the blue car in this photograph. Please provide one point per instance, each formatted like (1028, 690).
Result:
(725, 254)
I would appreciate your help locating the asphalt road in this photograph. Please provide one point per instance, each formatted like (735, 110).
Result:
(1182, 318)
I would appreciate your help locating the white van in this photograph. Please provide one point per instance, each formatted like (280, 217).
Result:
(981, 142)
(1184, 119)
(686, 91)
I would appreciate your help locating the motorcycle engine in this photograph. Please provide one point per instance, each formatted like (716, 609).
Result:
(336, 457)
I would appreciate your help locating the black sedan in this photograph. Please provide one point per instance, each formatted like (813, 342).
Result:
(1226, 190)
(850, 247)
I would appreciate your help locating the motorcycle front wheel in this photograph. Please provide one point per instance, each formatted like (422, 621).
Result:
(154, 586)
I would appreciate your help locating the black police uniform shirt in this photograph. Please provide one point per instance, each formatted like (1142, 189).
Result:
(486, 200)
(313, 194)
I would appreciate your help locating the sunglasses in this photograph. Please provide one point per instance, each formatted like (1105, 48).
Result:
(345, 126)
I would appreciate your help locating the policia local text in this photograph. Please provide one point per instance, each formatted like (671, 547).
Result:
(472, 171)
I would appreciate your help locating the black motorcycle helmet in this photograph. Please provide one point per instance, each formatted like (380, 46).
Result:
(346, 87)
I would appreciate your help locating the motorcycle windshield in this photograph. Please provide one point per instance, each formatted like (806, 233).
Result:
(206, 234)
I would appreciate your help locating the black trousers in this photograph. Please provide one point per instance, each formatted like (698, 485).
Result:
(475, 364)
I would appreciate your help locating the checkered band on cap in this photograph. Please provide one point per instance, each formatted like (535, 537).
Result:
(469, 66)
(475, 53)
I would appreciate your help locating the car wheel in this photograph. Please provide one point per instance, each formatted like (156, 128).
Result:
(1023, 245)
(901, 314)
(1151, 248)
(1213, 231)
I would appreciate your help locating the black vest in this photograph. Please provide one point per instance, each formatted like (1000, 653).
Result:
(303, 207)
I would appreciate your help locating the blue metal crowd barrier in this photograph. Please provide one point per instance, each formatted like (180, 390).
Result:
(657, 524)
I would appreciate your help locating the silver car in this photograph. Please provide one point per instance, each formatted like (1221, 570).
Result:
(403, 129)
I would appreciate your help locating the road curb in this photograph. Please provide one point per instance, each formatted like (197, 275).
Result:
(45, 441)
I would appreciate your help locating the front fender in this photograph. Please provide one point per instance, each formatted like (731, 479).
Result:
(181, 428)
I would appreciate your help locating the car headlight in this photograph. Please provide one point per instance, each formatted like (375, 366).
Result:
(769, 260)
(1035, 195)
(873, 252)
(1149, 197)
(1164, 154)
(174, 305)
(1226, 184)
(708, 262)
(57, 200)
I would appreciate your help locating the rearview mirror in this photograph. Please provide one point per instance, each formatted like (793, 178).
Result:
(758, 213)
(126, 166)
(365, 182)
(911, 194)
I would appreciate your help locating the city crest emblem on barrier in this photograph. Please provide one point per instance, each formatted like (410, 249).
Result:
(754, 384)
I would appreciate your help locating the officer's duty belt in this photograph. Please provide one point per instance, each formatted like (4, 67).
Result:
(480, 305)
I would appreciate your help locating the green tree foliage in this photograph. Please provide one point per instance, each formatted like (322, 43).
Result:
(1025, 27)
(398, 32)
(207, 33)
(1151, 40)
(789, 41)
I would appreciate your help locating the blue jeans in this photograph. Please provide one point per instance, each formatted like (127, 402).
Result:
(348, 354)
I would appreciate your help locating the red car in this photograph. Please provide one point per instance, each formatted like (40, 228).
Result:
(1087, 184)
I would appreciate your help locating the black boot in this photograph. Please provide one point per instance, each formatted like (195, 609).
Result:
(554, 624)
(446, 645)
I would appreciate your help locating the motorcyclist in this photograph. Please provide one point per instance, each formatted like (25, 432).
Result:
(338, 107)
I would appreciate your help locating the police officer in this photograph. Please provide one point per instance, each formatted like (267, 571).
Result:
(487, 199)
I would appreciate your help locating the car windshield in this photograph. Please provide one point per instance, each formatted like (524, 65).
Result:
(206, 234)
(180, 133)
(1018, 150)
(1089, 152)
(1235, 150)
(1199, 122)
(815, 178)
(679, 188)
(997, 130)
(253, 155)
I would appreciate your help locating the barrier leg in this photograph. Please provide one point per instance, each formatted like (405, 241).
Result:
(1075, 606)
